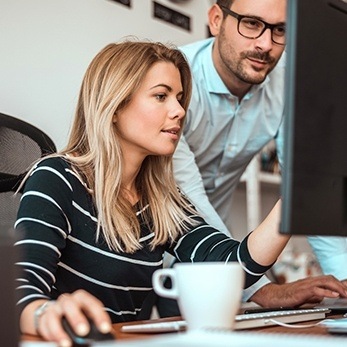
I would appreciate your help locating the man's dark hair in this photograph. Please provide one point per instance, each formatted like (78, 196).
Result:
(225, 3)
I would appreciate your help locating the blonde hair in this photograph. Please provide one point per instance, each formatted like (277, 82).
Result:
(108, 85)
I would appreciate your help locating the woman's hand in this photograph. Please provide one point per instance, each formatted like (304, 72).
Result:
(75, 307)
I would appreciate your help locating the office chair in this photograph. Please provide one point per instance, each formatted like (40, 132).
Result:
(20, 145)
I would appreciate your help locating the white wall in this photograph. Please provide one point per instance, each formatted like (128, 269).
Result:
(46, 46)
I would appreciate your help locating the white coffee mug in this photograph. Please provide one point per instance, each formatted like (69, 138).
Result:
(208, 293)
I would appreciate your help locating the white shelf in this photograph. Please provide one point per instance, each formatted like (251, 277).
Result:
(267, 177)
(254, 177)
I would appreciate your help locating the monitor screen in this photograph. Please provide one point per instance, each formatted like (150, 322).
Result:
(314, 177)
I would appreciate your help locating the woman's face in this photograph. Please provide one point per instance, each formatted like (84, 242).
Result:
(151, 123)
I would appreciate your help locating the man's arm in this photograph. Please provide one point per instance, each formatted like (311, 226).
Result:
(331, 253)
(188, 177)
(303, 291)
(279, 141)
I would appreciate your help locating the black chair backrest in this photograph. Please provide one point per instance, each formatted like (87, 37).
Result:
(20, 145)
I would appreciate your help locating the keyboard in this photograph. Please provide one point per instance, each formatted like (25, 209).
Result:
(242, 321)
(337, 305)
(257, 320)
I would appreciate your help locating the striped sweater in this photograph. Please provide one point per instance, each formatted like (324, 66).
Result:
(59, 253)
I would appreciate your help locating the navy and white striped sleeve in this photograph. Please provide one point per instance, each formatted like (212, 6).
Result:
(204, 243)
(42, 226)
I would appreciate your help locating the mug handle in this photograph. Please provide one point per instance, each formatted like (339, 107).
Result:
(158, 286)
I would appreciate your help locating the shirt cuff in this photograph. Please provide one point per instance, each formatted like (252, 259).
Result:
(250, 291)
(249, 263)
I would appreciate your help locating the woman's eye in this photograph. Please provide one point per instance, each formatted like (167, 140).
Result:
(161, 97)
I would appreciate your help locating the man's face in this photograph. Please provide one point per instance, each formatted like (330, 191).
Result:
(249, 60)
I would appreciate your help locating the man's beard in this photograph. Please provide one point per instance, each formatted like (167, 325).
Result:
(247, 78)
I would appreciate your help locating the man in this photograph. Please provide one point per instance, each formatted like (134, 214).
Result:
(331, 253)
(236, 109)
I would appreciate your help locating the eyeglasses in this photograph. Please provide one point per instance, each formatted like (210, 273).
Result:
(252, 28)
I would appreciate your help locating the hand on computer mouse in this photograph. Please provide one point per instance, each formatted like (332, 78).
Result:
(94, 334)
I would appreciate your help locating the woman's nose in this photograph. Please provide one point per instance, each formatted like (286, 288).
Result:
(177, 111)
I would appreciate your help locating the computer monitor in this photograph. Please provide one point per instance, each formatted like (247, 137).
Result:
(314, 177)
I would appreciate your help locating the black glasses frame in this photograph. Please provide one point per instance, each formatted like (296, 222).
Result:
(239, 17)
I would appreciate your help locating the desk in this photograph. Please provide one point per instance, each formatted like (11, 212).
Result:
(316, 331)
(260, 337)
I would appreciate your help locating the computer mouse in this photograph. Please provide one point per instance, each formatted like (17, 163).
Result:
(93, 336)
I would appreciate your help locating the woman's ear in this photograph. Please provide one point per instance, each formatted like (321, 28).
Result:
(114, 119)
(215, 19)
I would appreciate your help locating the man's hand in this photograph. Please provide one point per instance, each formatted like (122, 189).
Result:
(304, 291)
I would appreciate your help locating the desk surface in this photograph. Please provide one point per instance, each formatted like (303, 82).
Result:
(316, 330)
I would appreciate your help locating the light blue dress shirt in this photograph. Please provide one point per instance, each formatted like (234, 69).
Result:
(331, 253)
(222, 135)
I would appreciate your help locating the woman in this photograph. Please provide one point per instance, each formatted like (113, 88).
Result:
(97, 217)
